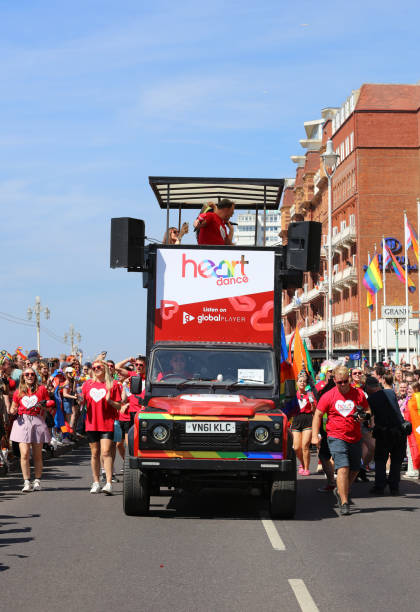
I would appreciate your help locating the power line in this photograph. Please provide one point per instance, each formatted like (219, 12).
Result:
(25, 323)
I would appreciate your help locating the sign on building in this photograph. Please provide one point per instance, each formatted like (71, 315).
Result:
(396, 312)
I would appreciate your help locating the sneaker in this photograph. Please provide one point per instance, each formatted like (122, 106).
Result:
(96, 488)
(67, 442)
(305, 473)
(301, 469)
(107, 488)
(26, 487)
(410, 476)
(54, 444)
(37, 485)
(344, 509)
(337, 497)
(114, 478)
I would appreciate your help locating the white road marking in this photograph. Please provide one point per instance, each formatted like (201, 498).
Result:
(273, 535)
(303, 596)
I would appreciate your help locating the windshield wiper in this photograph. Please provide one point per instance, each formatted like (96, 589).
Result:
(243, 380)
(185, 382)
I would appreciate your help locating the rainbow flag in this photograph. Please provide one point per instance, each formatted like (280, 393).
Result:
(412, 414)
(372, 279)
(20, 353)
(411, 239)
(399, 271)
(369, 300)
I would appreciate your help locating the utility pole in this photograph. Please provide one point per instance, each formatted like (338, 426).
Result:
(71, 336)
(36, 310)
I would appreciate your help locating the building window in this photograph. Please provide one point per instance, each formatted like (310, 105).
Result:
(342, 226)
(352, 219)
(351, 141)
(342, 150)
(347, 146)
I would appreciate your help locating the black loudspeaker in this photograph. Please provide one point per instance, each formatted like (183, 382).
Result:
(127, 243)
(304, 246)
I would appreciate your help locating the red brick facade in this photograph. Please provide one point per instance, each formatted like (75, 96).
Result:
(378, 177)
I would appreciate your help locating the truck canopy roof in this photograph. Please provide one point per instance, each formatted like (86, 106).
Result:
(192, 192)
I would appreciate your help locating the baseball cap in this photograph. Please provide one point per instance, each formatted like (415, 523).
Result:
(68, 370)
(33, 354)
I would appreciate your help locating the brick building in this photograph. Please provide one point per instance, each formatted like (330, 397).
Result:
(376, 133)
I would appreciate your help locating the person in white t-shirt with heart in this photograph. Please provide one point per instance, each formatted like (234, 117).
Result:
(302, 424)
(102, 397)
(343, 431)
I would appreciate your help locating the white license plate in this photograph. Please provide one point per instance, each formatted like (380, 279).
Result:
(210, 427)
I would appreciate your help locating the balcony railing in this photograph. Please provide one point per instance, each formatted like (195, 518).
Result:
(346, 320)
(344, 238)
(311, 330)
(346, 277)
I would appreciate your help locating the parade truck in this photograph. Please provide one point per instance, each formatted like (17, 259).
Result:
(212, 411)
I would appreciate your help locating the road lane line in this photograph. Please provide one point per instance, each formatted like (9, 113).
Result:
(303, 596)
(273, 535)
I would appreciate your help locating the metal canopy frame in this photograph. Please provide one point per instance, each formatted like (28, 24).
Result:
(190, 193)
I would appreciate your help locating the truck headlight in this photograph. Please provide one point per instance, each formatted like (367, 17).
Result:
(160, 434)
(261, 434)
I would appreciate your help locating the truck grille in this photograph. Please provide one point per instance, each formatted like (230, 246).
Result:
(206, 441)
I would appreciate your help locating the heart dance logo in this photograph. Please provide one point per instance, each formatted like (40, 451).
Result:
(344, 408)
(302, 403)
(29, 401)
(97, 394)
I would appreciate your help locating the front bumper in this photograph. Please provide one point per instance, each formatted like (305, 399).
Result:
(210, 465)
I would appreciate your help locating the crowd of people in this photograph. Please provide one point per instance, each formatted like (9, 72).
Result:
(360, 419)
(47, 403)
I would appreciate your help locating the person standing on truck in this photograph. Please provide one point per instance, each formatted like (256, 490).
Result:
(345, 407)
(175, 235)
(214, 227)
(302, 424)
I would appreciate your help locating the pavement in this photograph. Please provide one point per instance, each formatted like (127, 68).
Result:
(215, 550)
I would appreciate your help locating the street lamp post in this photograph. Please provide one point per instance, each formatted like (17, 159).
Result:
(329, 160)
(36, 310)
(71, 336)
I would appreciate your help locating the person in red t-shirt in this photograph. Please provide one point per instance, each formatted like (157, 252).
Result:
(215, 227)
(102, 397)
(30, 402)
(302, 424)
(343, 431)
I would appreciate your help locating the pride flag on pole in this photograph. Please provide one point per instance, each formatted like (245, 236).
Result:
(399, 271)
(411, 239)
(372, 279)
(412, 414)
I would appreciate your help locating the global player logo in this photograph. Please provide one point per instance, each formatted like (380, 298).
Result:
(226, 272)
(187, 318)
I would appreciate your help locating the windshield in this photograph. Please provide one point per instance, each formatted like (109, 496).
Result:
(239, 367)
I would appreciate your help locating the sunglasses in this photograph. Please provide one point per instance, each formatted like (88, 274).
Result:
(94, 368)
(138, 365)
(342, 382)
(29, 374)
(358, 373)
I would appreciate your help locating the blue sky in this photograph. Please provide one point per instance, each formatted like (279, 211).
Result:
(98, 95)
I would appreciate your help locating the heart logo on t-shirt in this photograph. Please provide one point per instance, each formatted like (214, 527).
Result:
(29, 401)
(302, 403)
(344, 408)
(97, 394)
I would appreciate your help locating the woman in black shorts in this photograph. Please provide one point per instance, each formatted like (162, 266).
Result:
(103, 400)
(302, 425)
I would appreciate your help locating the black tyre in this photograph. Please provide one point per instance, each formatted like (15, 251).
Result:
(283, 494)
(136, 494)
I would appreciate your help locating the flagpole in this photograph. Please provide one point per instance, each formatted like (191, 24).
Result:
(407, 315)
(384, 321)
(418, 279)
(376, 326)
(370, 328)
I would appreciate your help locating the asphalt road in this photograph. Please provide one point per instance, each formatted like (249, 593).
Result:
(64, 549)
